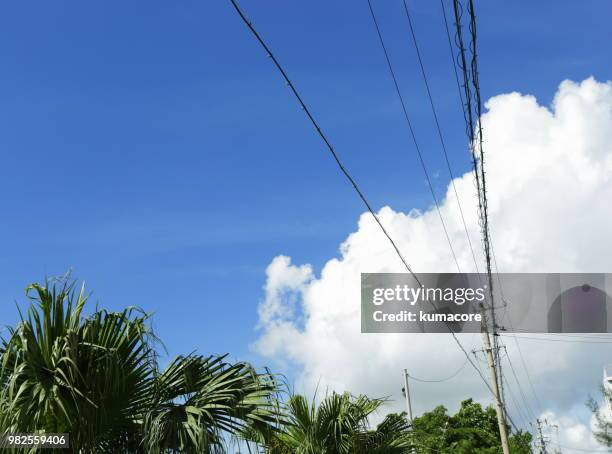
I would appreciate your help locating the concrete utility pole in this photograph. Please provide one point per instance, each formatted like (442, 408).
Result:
(407, 396)
(541, 438)
(556, 427)
(408, 403)
(499, 407)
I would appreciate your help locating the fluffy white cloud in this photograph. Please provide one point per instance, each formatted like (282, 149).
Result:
(549, 176)
(283, 287)
(575, 434)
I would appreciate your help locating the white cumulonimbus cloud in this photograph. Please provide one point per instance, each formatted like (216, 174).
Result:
(549, 182)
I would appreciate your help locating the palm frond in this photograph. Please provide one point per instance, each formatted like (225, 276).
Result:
(97, 378)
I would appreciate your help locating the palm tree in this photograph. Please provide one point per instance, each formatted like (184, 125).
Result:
(391, 436)
(339, 425)
(97, 378)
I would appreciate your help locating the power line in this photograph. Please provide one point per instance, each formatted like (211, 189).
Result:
(500, 375)
(465, 107)
(530, 412)
(571, 341)
(469, 113)
(452, 55)
(476, 146)
(501, 403)
(516, 339)
(440, 380)
(323, 137)
(519, 409)
(249, 24)
(483, 184)
(584, 335)
(439, 129)
(579, 335)
(479, 173)
(466, 104)
(412, 134)
(405, 111)
(526, 369)
(470, 137)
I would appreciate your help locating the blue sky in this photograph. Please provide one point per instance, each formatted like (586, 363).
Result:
(152, 148)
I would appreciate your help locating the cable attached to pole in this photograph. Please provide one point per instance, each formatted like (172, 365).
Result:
(412, 134)
(439, 129)
(348, 176)
(324, 138)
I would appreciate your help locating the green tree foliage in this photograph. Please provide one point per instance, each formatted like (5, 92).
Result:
(603, 431)
(97, 377)
(472, 430)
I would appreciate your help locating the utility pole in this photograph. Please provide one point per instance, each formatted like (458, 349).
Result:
(475, 141)
(556, 427)
(407, 396)
(542, 440)
(499, 407)
(406, 391)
